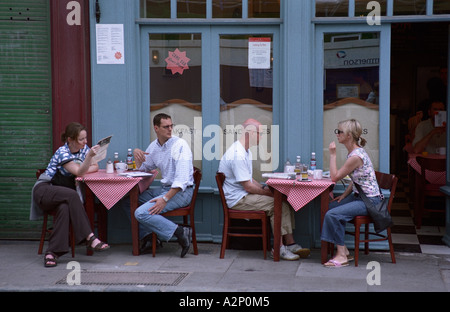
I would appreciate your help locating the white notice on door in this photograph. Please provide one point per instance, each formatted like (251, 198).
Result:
(259, 53)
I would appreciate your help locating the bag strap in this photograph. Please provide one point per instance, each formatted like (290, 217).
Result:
(361, 193)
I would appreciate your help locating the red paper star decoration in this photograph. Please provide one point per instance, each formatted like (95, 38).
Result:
(177, 61)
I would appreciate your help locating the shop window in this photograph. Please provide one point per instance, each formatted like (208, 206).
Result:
(176, 85)
(351, 90)
(410, 7)
(227, 8)
(361, 7)
(329, 8)
(264, 8)
(220, 8)
(246, 91)
(155, 8)
(191, 8)
(441, 7)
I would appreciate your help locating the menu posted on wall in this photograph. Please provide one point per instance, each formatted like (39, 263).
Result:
(259, 53)
(110, 44)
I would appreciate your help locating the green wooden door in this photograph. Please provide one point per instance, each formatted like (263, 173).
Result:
(25, 110)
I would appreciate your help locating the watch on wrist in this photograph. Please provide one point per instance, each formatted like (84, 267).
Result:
(165, 199)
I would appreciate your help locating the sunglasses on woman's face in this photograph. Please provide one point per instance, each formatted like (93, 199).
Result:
(337, 131)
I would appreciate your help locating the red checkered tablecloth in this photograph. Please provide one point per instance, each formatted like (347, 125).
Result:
(300, 193)
(431, 176)
(111, 187)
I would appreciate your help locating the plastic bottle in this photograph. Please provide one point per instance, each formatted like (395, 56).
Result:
(298, 166)
(116, 159)
(288, 163)
(130, 159)
(313, 161)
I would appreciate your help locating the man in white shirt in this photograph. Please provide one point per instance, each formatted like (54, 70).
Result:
(428, 137)
(173, 157)
(242, 192)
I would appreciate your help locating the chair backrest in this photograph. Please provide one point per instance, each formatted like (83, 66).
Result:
(39, 172)
(430, 164)
(197, 179)
(220, 179)
(388, 182)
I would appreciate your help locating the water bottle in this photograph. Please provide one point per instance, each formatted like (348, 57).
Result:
(288, 163)
(313, 161)
(130, 159)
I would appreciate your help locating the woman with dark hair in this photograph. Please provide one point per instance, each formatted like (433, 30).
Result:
(55, 190)
(348, 205)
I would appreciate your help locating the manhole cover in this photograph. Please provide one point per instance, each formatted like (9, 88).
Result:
(129, 278)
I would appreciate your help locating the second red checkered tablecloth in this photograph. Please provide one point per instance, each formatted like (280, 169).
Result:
(300, 193)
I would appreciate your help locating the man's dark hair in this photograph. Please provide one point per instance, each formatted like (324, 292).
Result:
(157, 119)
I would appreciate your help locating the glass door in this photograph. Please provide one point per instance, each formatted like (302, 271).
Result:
(352, 83)
(210, 79)
(246, 91)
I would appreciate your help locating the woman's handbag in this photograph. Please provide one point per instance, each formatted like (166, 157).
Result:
(62, 180)
(379, 213)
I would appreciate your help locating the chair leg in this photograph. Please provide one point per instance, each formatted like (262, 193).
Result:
(366, 238)
(153, 244)
(391, 246)
(194, 239)
(224, 240)
(264, 236)
(357, 233)
(44, 231)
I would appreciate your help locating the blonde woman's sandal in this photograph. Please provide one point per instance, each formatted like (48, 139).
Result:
(335, 264)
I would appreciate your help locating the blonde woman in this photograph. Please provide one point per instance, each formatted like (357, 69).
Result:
(348, 205)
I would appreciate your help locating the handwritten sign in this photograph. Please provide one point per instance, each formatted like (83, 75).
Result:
(177, 62)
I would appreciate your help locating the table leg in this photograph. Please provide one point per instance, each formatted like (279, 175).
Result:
(324, 202)
(134, 199)
(278, 201)
(89, 206)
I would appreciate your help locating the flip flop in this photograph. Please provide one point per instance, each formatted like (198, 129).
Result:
(334, 264)
(350, 258)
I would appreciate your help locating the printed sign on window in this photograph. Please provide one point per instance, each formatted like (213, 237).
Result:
(259, 53)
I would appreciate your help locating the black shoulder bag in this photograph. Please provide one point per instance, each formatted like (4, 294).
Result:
(379, 213)
(62, 180)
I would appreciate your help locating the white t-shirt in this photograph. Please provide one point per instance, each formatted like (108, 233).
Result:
(236, 164)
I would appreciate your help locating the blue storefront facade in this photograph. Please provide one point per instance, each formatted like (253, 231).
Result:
(319, 55)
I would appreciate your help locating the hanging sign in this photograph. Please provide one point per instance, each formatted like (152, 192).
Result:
(110, 44)
(259, 53)
(177, 61)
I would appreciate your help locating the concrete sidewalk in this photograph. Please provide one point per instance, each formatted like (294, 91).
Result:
(22, 269)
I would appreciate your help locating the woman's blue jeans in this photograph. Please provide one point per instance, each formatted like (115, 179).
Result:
(338, 214)
(158, 224)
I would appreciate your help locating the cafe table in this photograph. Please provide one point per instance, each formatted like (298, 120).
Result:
(109, 188)
(299, 194)
(432, 177)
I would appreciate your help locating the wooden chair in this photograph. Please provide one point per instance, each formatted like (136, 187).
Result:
(230, 214)
(385, 181)
(185, 212)
(425, 188)
(46, 230)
